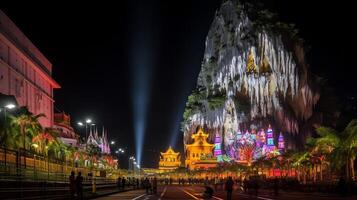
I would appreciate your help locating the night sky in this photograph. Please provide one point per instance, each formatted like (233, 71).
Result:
(101, 53)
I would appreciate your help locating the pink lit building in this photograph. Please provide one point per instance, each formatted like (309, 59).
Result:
(62, 125)
(25, 72)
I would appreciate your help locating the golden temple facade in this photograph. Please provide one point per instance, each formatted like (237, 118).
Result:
(169, 160)
(199, 154)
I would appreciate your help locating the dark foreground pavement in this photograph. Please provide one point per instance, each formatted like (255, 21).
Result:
(195, 192)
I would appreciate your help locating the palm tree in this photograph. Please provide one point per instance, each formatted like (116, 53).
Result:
(28, 124)
(342, 146)
(301, 162)
(8, 133)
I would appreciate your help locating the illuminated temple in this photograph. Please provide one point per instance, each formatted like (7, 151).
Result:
(169, 160)
(199, 153)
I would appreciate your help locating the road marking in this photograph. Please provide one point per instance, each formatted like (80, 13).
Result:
(264, 198)
(217, 198)
(139, 197)
(190, 194)
(163, 193)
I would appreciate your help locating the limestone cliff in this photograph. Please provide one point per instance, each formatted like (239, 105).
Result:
(253, 73)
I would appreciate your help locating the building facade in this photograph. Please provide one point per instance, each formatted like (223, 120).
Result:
(169, 160)
(62, 125)
(25, 72)
(199, 154)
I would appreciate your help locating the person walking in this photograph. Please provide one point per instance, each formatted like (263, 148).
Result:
(229, 188)
(137, 184)
(245, 185)
(119, 183)
(276, 186)
(72, 184)
(79, 184)
(147, 185)
(123, 183)
(154, 185)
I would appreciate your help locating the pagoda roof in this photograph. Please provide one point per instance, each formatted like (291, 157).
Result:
(170, 151)
(200, 139)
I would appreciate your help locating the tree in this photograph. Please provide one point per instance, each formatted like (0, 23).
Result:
(341, 145)
(8, 134)
(28, 125)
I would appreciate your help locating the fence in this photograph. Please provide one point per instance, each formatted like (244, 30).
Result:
(31, 166)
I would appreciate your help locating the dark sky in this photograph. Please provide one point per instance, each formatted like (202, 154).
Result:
(94, 49)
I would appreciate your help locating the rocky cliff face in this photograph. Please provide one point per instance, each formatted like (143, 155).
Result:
(253, 74)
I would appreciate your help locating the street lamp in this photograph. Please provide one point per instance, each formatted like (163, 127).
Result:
(112, 142)
(87, 121)
(10, 106)
(131, 160)
(119, 151)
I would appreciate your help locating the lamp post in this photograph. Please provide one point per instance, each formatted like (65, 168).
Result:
(9, 106)
(131, 160)
(87, 121)
(118, 152)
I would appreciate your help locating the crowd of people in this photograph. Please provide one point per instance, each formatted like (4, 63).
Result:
(149, 184)
(249, 186)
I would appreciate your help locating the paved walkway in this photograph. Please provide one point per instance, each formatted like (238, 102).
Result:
(195, 192)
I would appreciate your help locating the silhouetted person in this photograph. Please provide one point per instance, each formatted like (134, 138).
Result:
(276, 186)
(342, 186)
(137, 183)
(208, 193)
(229, 188)
(154, 185)
(119, 183)
(123, 183)
(256, 186)
(147, 185)
(72, 184)
(79, 184)
(245, 185)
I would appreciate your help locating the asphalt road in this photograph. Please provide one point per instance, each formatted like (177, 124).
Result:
(195, 192)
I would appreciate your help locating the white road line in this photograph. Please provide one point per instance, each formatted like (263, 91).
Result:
(190, 194)
(163, 193)
(217, 198)
(138, 197)
(264, 198)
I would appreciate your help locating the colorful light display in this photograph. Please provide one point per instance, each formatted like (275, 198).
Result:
(281, 142)
(217, 148)
(249, 146)
(270, 137)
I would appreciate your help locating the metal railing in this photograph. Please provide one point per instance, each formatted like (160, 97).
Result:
(31, 166)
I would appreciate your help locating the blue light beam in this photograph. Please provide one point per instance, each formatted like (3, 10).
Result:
(142, 58)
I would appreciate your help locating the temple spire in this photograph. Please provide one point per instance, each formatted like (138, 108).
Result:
(251, 66)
